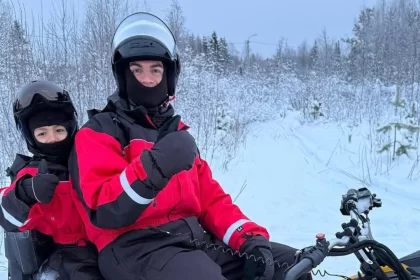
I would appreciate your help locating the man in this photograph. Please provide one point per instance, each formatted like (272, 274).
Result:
(149, 201)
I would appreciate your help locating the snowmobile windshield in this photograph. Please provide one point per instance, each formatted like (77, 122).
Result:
(144, 26)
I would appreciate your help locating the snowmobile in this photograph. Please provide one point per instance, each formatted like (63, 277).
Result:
(27, 253)
(377, 261)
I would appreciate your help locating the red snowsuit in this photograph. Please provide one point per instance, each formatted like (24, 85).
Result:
(59, 218)
(110, 178)
(70, 254)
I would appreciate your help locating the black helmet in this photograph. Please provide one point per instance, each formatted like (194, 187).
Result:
(144, 36)
(38, 96)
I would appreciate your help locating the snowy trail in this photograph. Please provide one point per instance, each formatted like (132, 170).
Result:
(294, 188)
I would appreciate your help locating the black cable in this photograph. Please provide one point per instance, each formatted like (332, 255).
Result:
(383, 253)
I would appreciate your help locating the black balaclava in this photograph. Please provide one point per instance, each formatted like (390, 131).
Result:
(148, 97)
(59, 150)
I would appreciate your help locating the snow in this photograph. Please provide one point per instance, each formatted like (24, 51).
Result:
(295, 173)
(295, 176)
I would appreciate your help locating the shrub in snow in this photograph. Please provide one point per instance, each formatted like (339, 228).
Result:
(400, 129)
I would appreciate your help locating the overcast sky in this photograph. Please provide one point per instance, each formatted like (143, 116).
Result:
(296, 20)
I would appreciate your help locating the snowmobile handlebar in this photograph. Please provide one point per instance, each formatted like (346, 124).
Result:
(354, 239)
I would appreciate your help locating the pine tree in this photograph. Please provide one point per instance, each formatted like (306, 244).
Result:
(214, 47)
(352, 60)
(314, 55)
(337, 63)
(199, 44)
(224, 56)
(214, 53)
(400, 143)
(362, 48)
(205, 45)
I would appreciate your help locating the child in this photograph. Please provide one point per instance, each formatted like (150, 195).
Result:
(39, 202)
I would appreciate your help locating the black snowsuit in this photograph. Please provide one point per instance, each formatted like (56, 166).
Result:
(152, 255)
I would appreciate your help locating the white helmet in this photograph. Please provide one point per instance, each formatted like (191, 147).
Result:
(144, 36)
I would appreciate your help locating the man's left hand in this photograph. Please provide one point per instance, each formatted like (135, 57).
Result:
(258, 259)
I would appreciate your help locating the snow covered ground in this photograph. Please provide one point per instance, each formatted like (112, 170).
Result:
(294, 176)
(294, 187)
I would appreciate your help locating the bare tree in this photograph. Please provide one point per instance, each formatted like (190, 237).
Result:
(101, 19)
(176, 20)
(5, 21)
(326, 51)
(141, 6)
(62, 33)
(15, 63)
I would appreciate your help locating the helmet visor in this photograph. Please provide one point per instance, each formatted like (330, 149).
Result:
(144, 25)
(42, 90)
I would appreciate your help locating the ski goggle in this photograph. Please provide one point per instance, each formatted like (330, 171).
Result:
(40, 92)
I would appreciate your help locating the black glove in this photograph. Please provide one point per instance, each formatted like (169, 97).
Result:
(174, 153)
(39, 188)
(258, 259)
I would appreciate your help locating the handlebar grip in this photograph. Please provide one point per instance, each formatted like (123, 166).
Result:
(304, 266)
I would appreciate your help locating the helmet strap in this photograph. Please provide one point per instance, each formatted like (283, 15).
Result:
(166, 103)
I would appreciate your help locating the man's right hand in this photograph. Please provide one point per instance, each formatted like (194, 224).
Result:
(174, 153)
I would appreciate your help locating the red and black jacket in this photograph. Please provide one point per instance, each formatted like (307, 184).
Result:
(58, 219)
(111, 181)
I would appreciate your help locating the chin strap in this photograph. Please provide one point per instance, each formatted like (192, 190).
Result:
(167, 101)
(164, 104)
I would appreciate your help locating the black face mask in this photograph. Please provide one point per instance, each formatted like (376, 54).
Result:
(56, 152)
(148, 97)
